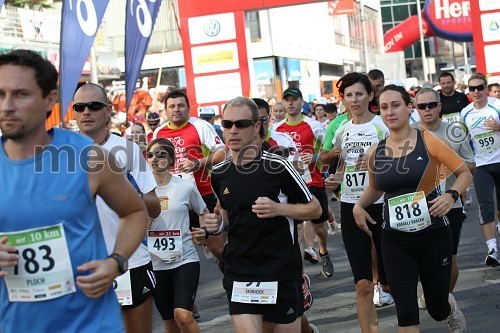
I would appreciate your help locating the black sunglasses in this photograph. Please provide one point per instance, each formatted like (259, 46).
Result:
(431, 105)
(264, 119)
(92, 106)
(480, 87)
(242, 123)
(159, 154)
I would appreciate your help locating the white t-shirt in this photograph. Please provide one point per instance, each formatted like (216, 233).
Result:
(485, 143)
(128, 156)
(355, 139)
(176, 198)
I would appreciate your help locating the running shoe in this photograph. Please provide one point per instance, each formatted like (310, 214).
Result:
(196, 313)
(376, 295)
(310, 255)
(380, 297)
(313, 328)
(207, 252)
(308, 299)
(492, 259)
(332, 228)
(468, 197)
(498, 229)
(327, 269)
(421, 298)
(456, 320)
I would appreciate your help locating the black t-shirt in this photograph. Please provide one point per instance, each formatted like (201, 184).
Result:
(454, 103)
(259, 249)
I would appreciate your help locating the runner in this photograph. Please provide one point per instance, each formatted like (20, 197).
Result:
(50, 225)
(92, 114)
(482, 119)
(416, 238)
(175, 260)
(354, 138)
(256, 189)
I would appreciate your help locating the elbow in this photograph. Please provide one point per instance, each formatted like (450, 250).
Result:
(153, 205)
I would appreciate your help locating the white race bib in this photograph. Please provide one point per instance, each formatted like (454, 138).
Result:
(486, 143)
(409, 212)
(44, 268)
(354, 183)
(255, 292)
(451, 117)
(123, 288)
(165, 244)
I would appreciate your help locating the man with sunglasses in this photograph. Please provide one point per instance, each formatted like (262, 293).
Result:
(260, 194)
(92, 114)
(51, 243)
(452, 101)
(308, 136)
(429, 108)
(377, 79)
(482, 119)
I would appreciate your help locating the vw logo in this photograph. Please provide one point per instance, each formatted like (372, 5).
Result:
(212, 28)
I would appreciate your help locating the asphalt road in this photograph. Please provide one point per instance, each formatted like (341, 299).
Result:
(334, 308)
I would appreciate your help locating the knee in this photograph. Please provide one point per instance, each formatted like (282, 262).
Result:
(183, 317)
(364, 289)
(439, 311)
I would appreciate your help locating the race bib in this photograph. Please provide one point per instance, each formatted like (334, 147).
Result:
(451, 117)
(255, 292)
(44, 268)
(123, 288)
(409, 212)
(355, 182)
(486, 143)
(165, 244)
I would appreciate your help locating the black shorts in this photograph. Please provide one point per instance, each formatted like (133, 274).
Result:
(176, 288)
(487, 186)
(211, 201)
(289, 305)
(142, 281)
(456, 217)
(358, 244)
(320, 194)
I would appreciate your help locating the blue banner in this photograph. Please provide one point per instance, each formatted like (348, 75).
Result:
(80, 21)
(139, 23)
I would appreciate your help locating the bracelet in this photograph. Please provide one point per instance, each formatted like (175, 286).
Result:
(220, 230)
(206, 232)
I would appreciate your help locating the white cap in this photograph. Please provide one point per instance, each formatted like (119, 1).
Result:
(207, 112)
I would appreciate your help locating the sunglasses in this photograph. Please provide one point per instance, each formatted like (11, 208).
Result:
(158, 154)
(480, 87)
(424, 106)
(243, 123)
(92, 106)
(264, 119)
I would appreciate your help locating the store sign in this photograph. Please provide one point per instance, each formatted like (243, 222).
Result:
(450, 19)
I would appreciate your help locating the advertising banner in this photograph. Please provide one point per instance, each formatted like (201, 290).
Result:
(486, 29)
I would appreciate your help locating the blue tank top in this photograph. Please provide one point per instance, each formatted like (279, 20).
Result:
(47, 189)
(402, 175)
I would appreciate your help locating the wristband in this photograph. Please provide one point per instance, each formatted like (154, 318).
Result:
(206, 232)
(220, 230)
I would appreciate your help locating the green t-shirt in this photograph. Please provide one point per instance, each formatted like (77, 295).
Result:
(331, 129)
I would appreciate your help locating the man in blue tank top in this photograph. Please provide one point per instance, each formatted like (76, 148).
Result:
(54, 267)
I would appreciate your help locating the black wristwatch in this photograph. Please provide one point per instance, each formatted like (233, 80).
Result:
(197, 165)
(122, 262)
(454, 194)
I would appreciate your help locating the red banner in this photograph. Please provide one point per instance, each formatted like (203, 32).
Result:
(486, 31)
(341, 7)
(404, 34)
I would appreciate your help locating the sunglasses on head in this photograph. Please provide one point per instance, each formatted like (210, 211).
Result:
(264, 119)
(480, 87)
(424, 106)
(242, 123)
(92, 106)
(159, 154)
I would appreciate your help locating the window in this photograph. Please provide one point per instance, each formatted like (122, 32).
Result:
(253, 22)
(401, 13)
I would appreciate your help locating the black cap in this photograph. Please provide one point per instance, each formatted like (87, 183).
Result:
(295, 92)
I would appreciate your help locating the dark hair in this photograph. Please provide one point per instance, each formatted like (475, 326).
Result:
(351, 78)
(166, 144)
(322, 105)
(446, 74)
(404, 94)
(490, 86)
(99, 88)
(141, 126)
(262, 104)
(375, 74)
(330, 108)
(45, 72)
(176, 94)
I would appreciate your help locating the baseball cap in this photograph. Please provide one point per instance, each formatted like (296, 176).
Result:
(306, 108)
(295, 92)
(207, 112)
(153, 118)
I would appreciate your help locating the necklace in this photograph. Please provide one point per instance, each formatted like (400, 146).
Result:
(105, 139)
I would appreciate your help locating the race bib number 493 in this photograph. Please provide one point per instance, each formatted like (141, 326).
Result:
(44, 268)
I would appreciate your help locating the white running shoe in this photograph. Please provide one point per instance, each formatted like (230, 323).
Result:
(468, 197)
(313, 328)
(332, 228)
(376, 295)
(456, 320)
(493, 258)
(311, 255)
(383, 298)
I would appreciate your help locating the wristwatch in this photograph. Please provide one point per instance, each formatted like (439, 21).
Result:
(454, 194)
(122, 262)
(197, 165)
